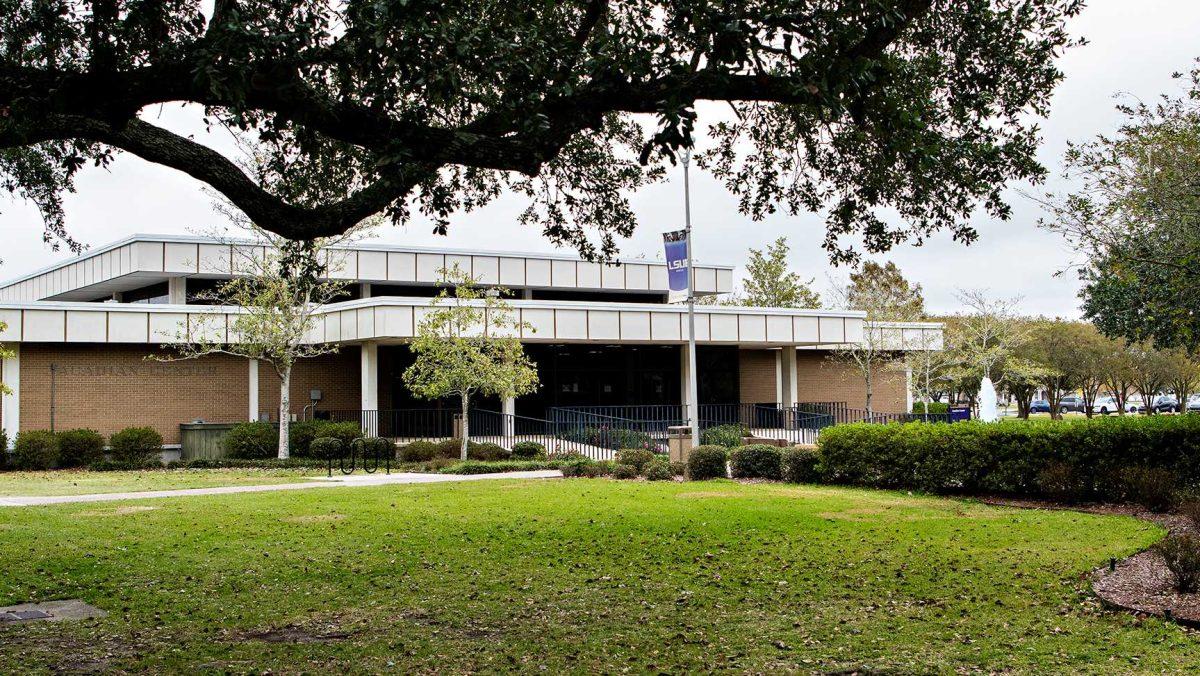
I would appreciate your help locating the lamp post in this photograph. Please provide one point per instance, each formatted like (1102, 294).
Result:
(693, 399)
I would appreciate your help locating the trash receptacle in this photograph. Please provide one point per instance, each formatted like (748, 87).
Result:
(679, 442)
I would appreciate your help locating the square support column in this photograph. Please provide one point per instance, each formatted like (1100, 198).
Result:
(370, 388)
(252, 389)
(787, 377)
(177, 290)
(10, 402)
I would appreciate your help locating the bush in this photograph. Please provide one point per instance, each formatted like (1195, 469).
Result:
(325, 448)
(346, 432)
(707, 462)
(934, 407)
(623, 471)
(475, 467)
(35, 449)
(729, 436)
(1011, 456)
(610, 437)
(637, 457)
(77, 448)
(418, 451)
(301, 434)
(586, 468)
(1151, 487)
(1181, 553)
(136, 445)
(657, 470)
(1061, 483)
(756, 461)
(376, 447)
(1191, 509)
(252, 441)
(800, 465)
(678, 468)
(488, 452)
(528, 450)
(451, 448)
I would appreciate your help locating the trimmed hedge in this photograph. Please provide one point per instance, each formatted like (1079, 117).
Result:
(1077, 459)
(136, 445)
(707, 462)
(657, 470)
(635, 457)
(80, 447)
(488, 452)
(326, 447)
(252, 441)
(624, 471)
(800, 465)
(476, 467)
(35, 450)
(934, 407)
(756, 461)
(528, 450)
(418, 451)
(729, 436)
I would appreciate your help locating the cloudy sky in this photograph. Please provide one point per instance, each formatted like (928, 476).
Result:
(1134, 46)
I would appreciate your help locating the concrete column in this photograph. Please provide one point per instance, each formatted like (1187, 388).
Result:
(252, 387)
(364, 290)
(908, 390)
(10, 402)
(370, 388)
(779, 376)
(177, 290)
(787, 380)
(527, 294)
(509, 409)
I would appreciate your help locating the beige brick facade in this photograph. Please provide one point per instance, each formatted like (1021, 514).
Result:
(110, 387)
(820, 380)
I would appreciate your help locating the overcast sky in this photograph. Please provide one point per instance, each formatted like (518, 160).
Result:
(1134, 46)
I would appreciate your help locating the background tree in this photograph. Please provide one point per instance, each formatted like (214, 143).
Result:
(987, 332)
(1135, 215)
(925, 108)
(279, 286)
(5, 353)
(1119, 372)
(1151, 372)
(1051, 346)
(467, 344)
(885, 296)
(1087, 370)
(769, 282)
(1182, 375)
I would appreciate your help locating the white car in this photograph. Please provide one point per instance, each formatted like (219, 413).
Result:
(1106, 405)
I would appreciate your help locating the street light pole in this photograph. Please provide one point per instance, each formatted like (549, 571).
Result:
(693, 399)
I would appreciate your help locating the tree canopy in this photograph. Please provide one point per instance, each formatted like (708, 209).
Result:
(924, 108)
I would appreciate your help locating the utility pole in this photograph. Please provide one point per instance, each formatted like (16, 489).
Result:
(693, 398)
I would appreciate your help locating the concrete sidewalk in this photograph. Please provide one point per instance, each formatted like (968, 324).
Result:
(336, 481)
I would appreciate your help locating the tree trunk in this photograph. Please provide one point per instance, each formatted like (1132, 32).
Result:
(466, 427)
(285, 410)
(870, 413)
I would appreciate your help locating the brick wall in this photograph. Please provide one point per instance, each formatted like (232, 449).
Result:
(110, 387)
(818, 379)
(756, 376)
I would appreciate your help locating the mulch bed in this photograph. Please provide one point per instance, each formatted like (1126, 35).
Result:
(1141, 583)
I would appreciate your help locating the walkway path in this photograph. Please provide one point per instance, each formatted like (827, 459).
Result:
(312, 482)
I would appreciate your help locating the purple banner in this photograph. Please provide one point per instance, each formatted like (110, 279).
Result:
(675, 244)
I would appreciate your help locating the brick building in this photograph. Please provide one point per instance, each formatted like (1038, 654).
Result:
(84, 331)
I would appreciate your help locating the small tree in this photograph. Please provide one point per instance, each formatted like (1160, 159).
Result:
(1052, 347)
(1119, 372)
(467, 344)
(885, 296)
(769, 282)
(1182, 374)
(279, 287)
(1151, 372)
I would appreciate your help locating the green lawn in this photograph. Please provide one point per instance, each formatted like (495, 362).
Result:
(78, 482)
(577, 576)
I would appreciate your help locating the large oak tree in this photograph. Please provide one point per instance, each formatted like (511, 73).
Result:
(352, 108)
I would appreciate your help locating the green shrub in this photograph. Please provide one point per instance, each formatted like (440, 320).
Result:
(252, 441)
(1010, 456)
(451, 448)
(756, 461)
(376, 447)
(1151, 487)
(78, 448)
(418, 451)
(586, 468)
(346, 432)
(325, 448)
(1181, 554)
(729, 436)
(1061, 482)
(1191, 509)
(636, 457)
(136, 445)
(475, 467)
(934, 407)
(35, 450)
(488, 452)
(301, 434)
(678, 468)
(800, 465)
(528, 450)
(623, 471)
(707, 462)
(657, 470)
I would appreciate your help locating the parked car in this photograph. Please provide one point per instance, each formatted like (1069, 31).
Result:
(1070, 404)
(1165, 404)
(1193, 403)
(1107, 405)
(1039, 406)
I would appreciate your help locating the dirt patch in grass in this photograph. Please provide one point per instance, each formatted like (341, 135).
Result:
(117, 511)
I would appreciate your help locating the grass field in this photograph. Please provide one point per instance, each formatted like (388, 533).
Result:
(78, 482)
(576, 576)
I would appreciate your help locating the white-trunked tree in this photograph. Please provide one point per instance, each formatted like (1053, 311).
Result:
(468, 343)
(279, 286)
